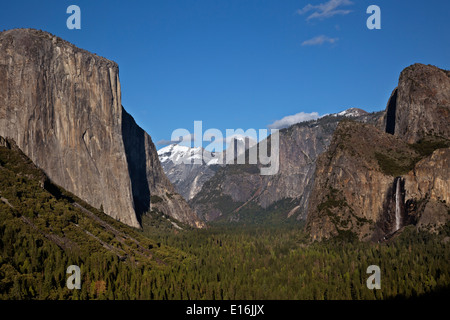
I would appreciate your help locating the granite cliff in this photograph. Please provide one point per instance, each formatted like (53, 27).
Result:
(371, 183)
(419, 106)
(62, 106)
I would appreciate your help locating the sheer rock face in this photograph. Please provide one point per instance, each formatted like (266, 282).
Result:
(422, 103)
(355, 189)
(355, 192)
(431, 177)
(62, 106)
(430, 181)
(350, 188)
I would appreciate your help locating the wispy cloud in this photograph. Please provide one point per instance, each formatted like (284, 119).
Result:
(325, 10)
(293, 119)
(319, 40)
(164, 142)
(187, 138)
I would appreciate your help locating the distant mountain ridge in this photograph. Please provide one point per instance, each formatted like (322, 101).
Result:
(351, 112)
(239, 192)
(187, 177)
(189, 168)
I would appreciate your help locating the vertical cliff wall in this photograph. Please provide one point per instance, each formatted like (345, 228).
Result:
(62, 106)
(420, 105)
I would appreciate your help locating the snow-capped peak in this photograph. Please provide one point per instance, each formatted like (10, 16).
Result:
(184, 154)
(352, 112)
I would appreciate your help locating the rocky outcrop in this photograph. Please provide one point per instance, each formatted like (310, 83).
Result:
(371, 183)
(427, 190)
(430, 177)
(350, 185)
(420, 105)
(364, 185)
(62, 106)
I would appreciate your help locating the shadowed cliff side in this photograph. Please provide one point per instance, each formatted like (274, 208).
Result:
(390, 112)
(151, 188)
(134, 143)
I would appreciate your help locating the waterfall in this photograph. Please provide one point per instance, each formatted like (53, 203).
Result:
(398, 199)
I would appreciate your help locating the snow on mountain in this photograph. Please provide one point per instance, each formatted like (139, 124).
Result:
(183, 154)
(189, 168)
(352, 112)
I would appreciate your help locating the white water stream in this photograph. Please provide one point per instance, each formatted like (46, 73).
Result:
(397, 206)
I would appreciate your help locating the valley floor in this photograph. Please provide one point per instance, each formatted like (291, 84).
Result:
(280, 263)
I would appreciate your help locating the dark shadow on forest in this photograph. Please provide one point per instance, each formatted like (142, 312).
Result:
(57, 192)
(440, 293)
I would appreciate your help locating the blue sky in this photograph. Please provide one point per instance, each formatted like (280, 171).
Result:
(247, 63)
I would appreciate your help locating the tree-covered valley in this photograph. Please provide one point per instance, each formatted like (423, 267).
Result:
(44, 229)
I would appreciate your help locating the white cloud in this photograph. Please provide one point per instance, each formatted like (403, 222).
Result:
(164, 142)
(325, 10)
(293, 119)
(319, 40)
(187, 139)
